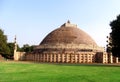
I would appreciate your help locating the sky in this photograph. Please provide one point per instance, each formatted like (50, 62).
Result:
(32, 20)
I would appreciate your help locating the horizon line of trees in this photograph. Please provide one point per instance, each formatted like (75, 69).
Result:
(7, 48)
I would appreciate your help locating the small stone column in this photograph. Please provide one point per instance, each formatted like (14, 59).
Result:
(47, 58)
(106, 58)
(54, 57)
(62, 58)
(71, 58)
(50, 57)
(40, 57)
(34, 57)
(79, 58)
(75, 58)
(116, 59)
(83, 58)
(31, 57)
(87, 58)
(37, 57)
(111, 58)
(44, 58)
(58, 57)
(66, 58)
(91, 58)
(103, 58)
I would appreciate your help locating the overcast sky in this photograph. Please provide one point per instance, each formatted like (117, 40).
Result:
(32, 20)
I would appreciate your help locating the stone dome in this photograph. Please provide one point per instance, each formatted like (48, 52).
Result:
(68, 34)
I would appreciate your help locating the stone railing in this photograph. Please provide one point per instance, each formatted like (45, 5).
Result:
(71, 46)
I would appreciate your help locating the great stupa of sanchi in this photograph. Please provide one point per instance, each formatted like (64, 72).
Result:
(69, 44)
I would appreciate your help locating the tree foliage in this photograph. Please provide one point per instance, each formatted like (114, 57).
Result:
(11, 48)
(114, 39)
(27, 48)
(4, 49)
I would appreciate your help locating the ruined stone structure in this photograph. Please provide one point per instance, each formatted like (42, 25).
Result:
(68, 44)
(18, 55)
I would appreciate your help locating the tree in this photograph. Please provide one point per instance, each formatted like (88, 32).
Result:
(11, 48)
(114, 43)
(109, 45)
(4, 49)
(27, 48)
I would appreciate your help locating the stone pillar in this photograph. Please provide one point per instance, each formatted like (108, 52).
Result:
(91, 58)
(71, 60)
(62, 58)
(28, 57)
(32, 57)
(79, 58)
(106, 57)
(40, 57)
(16, 56)
(75, 58)
(47, 57)
(50, 57)
(87, 58)
(44, 58)
(116, 59)
(103, 58)
(66, 58)
(58, 58)
(54, 57)
(83, 58)
(111, 58)
(35, 56)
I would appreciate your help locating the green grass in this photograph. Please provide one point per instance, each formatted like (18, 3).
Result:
(48, 72)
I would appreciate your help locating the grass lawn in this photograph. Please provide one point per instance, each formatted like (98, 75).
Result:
(47, 72)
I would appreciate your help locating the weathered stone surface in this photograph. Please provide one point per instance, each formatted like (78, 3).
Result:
(68, 34)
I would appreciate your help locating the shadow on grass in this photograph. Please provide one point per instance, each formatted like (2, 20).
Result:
(82, 64)
(89, 65)
(69, 64)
